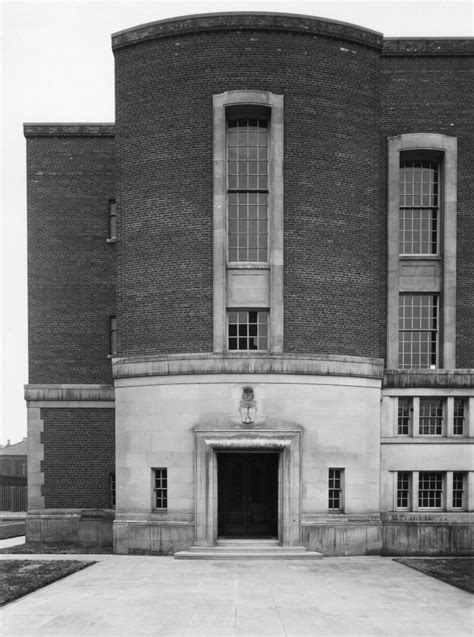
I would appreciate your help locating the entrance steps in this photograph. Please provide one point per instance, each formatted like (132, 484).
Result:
(247, 550)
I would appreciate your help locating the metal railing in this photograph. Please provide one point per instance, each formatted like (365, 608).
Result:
(13, 499)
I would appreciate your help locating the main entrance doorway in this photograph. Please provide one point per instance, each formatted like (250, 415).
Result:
(247, 494)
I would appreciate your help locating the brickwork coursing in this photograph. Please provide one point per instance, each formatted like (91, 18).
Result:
(79, 457)
(435, 94)
(71, 268)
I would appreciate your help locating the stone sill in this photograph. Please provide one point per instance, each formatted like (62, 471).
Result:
(427, 517)
(426, 378)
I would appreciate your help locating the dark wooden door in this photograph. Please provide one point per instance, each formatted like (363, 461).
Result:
(247, 494)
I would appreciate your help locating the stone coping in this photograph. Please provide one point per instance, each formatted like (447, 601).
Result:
(395, 378)
(409, 47)
(247, 21)
(69, 130)
(191, 364)
(341, 519)
(91, 514)
(69, 392)
(427, 517)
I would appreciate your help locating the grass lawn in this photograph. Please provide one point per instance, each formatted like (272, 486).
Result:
(57, 547)
(457, 571)
(20, 577)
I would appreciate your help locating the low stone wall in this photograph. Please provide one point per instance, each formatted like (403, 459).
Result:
(13, 528)
(342, 534)
(87, 527)
(148, 537)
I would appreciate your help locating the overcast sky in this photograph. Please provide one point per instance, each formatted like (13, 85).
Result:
(57, 66)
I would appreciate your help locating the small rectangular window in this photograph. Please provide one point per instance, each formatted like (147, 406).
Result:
(431, 417)
(418, 331)
(335, 489)
(458, 490)
(112, 220)
(247, 330)
(459, 416)
(430, 490)
(419, 207)
(112, 335)
(403, 489)
(161, 488)
(404, 416)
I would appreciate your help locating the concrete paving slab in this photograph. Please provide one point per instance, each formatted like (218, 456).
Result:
(131, 595)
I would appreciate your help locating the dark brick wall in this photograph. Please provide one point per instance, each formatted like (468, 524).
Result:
(334, 213)
(79, 456)
(71, 268)
(436, 95)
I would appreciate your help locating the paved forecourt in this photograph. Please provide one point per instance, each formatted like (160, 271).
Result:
(131, 595)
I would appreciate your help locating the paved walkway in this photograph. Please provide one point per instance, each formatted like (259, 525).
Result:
(129, 595)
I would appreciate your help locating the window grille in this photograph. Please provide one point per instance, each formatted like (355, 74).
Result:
(248, 330)
(112, 220)
(112, 335)
(247, 189)
(431, 417)
(458, 490)
(459, 417)
(404, 410)
(430, 490)
(403, 489)
(161, 488)
(419, 211)
(335, 489)
(418, 331)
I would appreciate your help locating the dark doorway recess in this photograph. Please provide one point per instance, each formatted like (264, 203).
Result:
(247, 499)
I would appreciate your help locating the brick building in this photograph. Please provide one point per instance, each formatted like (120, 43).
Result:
(252, 297)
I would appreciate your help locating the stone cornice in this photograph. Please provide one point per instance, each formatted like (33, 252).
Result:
(247, 21)
(427, 378)
(191, 364)
(409, 47)
(68, 130)
(69, 393)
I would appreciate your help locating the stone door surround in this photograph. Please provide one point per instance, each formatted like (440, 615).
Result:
(287, 442)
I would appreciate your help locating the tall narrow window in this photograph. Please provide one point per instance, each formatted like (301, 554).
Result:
(247, 188)
(112, 220)
(419, 207)
(161, 488)
(418, 331)
(459, 417)
(112, 490)
(431, 417)
(248, 330)
(403, 489)
(458, 490)
(335, 502)
(404, 413)
(112, 335)
(430, 490)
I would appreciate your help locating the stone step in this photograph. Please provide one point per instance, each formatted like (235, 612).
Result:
(247, 551)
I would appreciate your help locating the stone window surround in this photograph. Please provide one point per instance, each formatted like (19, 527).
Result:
(210, 442)
(275, 206)
(447, 147)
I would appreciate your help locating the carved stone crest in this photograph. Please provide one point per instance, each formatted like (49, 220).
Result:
(248, 406)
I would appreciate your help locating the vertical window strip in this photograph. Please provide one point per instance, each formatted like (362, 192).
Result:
(430, 490)
(247, 330)
(335, 489)
(404, 411)
(403, 489)
(459, 417)
(431, 417)
(112, 335)
(418, 331)
(419, 207)
(112, 490)
(247, 189)
(458, 490)
(161, 488)
(112, 219)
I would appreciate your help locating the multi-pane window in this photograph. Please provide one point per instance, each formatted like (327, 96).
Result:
(112, 489)
(430, 490)
(419, 207)
(247, 189)
(161, 488)
(248, 330)
(403, 489)
(418, 331)
(112, 335)
(459, 417)
(404, 411)
(431, 417)
(335, 489)
(458, 490)
(112, 220)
